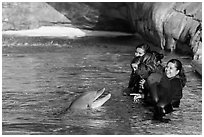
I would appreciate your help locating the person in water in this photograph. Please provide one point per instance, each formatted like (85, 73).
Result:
(178, 81)
(134, 64)
(166, 88)
(149, 63)
(135, 78)
(140, 51)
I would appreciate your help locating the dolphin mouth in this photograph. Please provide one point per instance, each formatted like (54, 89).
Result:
(97, 102)
(90, 100)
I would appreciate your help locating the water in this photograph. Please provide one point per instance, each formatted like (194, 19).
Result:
(40, 80)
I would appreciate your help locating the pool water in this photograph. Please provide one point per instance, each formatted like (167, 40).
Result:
(39, 81)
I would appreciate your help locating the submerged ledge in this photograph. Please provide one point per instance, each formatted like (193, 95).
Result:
(66, 32)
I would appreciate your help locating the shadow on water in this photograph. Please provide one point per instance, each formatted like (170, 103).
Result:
(40, 81)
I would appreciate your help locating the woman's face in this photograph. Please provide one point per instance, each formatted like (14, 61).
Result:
(171, 70)
(139, 52)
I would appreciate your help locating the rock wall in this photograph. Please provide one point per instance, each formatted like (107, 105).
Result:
(169, 25)
(29, 15)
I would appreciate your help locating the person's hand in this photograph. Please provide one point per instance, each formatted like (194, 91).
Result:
(137, 97)
(141, 83)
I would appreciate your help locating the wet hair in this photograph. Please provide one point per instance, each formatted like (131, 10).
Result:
(179, 67)
(147, 58)
(149, 64)
(144, 46)
(136, 60)
(152, 57)
(158, 56)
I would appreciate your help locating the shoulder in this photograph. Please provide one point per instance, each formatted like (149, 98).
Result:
(154, 77)
(176, 82)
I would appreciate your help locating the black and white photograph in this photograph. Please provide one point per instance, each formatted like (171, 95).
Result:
(101, 68)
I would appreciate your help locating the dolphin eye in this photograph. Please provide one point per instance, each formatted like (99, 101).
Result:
(88, 106)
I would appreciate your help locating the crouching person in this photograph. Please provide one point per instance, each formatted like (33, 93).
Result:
(166, 89)
(150, 63)
(140, 51)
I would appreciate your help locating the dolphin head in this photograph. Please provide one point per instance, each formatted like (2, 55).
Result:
(90, 100)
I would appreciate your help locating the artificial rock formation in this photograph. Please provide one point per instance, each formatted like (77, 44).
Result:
(29, 15)
(169, 25)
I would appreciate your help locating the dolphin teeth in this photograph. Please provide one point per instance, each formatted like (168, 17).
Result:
(100, 102)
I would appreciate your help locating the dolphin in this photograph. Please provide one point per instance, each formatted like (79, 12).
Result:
(89, 100)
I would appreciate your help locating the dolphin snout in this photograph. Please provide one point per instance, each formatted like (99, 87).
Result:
(90, 100)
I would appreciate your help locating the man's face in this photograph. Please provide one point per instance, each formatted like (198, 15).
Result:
(143, 71)
(134, 66)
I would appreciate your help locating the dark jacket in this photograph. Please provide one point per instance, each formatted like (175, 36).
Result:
(176, 88)
(165, 90)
